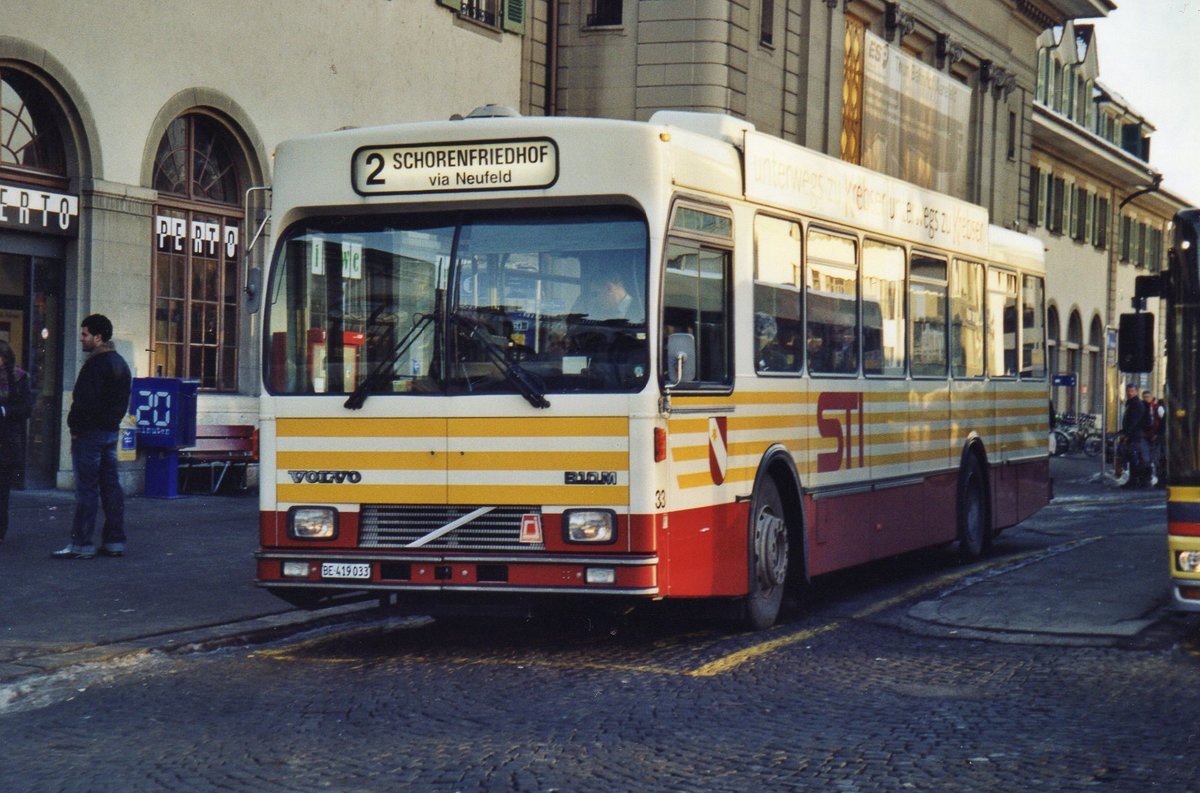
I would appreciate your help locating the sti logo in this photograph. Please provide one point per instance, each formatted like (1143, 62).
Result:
(840, 416)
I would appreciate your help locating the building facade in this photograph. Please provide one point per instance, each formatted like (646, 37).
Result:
(136, 138)
(933, 92)
(1095, 203)
(137, 142)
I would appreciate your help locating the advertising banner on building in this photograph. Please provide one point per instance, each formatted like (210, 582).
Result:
(915, 120)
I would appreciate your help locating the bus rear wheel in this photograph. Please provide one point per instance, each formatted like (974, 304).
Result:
(973, 529)
(768, 554)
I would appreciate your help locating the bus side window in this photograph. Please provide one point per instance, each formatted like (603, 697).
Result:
(966, 320)
(778, 316)
(1002, 323)
(831, 295)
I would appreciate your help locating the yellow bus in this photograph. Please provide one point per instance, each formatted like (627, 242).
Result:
(511, 358)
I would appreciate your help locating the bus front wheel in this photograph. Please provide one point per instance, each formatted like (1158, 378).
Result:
(768, 554)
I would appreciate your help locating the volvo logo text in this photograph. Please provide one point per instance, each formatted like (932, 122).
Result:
(590, 477)
(325, 477)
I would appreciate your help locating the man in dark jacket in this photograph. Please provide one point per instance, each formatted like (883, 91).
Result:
(1134, 423)
(99, 402)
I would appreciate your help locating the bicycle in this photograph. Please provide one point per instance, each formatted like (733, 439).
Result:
(1075, 433)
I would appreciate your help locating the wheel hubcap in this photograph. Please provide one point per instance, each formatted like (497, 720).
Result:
(770, 539)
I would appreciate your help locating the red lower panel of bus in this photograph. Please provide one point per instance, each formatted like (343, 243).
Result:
(851, 529)
(691, 553)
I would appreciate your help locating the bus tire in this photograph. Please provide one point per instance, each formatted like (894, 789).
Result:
(974, 533)
(768, 555)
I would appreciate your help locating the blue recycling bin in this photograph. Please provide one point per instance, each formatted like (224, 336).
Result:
(165, 411)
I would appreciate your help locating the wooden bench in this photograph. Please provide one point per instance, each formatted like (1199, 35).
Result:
(220, 447)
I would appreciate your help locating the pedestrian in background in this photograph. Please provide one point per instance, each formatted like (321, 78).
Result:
(99, 402)
(1155, 437)
(16, 401)
(1134, 423)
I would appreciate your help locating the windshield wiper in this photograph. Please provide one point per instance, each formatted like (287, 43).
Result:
(359, 395)
(528, 384)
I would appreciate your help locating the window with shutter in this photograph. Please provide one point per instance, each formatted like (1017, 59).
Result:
(514, 16)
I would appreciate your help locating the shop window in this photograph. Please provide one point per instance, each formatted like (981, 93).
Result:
(197, 244)
(30, 139)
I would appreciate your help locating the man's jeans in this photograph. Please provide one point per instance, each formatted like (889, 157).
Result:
(94, 455)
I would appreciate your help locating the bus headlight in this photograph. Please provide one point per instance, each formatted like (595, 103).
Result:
(590, 525)
(1188, 561)
(312, 523)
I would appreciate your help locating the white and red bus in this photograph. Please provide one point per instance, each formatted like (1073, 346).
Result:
(507, 358)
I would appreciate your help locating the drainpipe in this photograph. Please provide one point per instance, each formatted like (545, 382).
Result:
(552, 58)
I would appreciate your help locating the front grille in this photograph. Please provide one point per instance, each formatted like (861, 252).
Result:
(394, 526)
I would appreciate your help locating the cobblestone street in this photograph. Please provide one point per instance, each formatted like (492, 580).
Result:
(856, 691)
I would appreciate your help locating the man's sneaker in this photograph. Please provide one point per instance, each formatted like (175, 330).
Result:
(74, 552)
(111, 550)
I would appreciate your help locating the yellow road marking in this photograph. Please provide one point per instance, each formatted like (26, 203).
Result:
(719, 666)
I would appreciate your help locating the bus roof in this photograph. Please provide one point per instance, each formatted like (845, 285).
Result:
(494, 156)
(1016, 249)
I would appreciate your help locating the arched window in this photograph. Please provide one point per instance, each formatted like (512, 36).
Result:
(198, 172)
(1096, 358)
(1052, 334)
(1075, 356)
(30, 139)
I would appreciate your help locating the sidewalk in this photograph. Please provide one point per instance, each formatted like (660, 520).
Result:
(1078, 478)
(188, 577)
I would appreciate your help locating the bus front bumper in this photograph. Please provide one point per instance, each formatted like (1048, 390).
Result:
(590, 574)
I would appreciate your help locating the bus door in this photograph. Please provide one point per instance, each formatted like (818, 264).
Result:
(705, 525)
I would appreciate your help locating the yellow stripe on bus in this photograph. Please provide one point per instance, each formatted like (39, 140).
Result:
(469, 461)
(362, 461)
(1183, 494)
(540, 427)
(538, 494)
(544, 426)
(453, 494)
(362, 494)
(581, 460)
(360, 428)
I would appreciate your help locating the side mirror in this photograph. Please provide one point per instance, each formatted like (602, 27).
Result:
(253, 290)
(681, 359)
(1135, 343)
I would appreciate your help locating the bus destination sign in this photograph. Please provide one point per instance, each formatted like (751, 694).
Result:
(521, 164)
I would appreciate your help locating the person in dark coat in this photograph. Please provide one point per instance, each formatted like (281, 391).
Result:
(1134, 423)
(16, 402)
(98, 404)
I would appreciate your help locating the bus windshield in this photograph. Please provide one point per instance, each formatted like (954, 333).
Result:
(531, 302)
